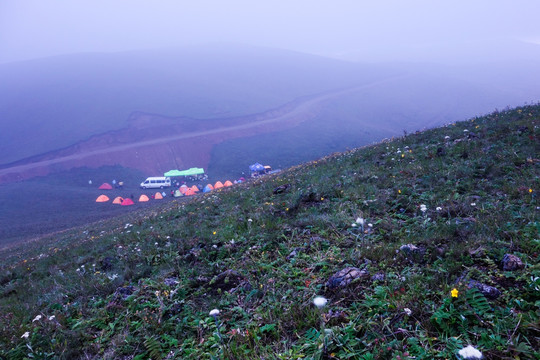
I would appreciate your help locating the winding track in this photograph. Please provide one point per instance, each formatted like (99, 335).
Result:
(299, 109)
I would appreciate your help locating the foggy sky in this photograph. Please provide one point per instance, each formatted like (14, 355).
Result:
(349, 29)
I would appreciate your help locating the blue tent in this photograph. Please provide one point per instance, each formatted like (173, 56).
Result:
(207, 189)
(256, 167)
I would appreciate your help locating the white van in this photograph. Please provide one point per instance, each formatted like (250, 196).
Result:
(156, 183)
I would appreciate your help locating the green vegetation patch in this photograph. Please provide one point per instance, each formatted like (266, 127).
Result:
(421, 246)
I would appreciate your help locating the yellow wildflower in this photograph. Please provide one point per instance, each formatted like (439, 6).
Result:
(454, 292)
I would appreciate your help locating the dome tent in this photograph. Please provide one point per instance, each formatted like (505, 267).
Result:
(105, 186)
(118, 200)
(102, 198)
(127, 202)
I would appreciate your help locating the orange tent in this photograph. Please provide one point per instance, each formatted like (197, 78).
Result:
(158, 196)
(127, 201)
(105, 186)
(228, 183)
(210, 186)
(183, 188)
(195, 189)
(189, 192)
(102, 198)
(118, 200)
(218, 185)
(143, 198)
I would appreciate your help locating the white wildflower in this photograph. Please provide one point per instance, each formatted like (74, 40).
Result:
(438, 208)
(214, 312)
(320, 301)
(470, 353)
(407, 311)
(360, 221)
(423, 208)
(51, 318)
(25, 335)
(473, 204)
(37, 318)
(250, 220)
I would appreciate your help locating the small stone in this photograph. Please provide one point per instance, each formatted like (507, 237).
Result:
(281, 189)
(292, 254)
(171, 282)
(378, 277)
(488, 291)
(344, 277)
(408, 248)
(512, 262)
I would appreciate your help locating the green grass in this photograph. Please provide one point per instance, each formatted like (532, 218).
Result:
(141, 286)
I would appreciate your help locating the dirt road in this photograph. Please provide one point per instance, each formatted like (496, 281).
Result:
(294, 110)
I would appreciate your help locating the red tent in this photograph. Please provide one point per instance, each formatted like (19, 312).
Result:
(105, 186)
(189, 192)
(228, 183)
(127, 201)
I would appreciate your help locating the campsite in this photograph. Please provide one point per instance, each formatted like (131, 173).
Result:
(70, 194)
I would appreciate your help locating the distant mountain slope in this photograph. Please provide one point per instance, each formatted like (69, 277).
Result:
(63, 106)
(156, 144)
(55, 102)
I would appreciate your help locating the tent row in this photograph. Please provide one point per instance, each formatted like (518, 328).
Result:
(127, 201)
(186, 190)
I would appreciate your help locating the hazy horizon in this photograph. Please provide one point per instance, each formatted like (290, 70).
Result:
(457, 32)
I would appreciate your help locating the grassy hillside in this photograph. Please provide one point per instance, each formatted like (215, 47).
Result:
(408, 104)
(420, 277)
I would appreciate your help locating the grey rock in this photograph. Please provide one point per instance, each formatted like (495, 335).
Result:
(171, 282)
(512, 262)
(409, 248)
(488, 291)
(344, 277)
